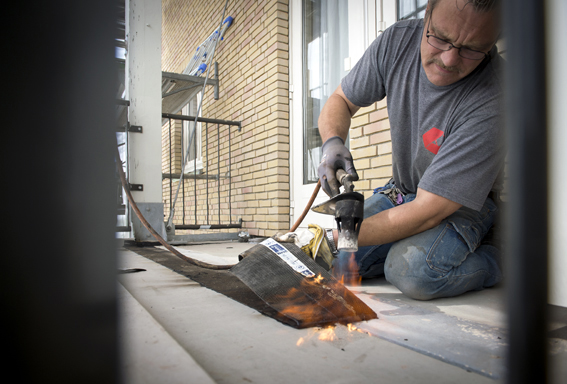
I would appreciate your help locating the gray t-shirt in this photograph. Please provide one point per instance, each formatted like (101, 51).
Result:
(447, 140)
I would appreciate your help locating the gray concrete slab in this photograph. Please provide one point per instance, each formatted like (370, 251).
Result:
(236, 344)
(476, 346)
(467, 331)
(226, 250)
(476, 317)
(149, 354)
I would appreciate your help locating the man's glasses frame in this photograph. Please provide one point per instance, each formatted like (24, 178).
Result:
(444, 45)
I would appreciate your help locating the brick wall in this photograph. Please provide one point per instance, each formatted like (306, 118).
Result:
(254, 76)
(371, 147)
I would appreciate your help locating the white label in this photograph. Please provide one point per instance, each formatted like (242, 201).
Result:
(288, 257)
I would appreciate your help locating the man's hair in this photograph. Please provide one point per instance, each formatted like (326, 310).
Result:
(478, 5)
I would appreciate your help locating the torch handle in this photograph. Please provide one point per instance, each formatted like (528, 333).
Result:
(345, 179)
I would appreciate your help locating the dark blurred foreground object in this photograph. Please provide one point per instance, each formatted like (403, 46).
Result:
(526, 214)
(58, 296)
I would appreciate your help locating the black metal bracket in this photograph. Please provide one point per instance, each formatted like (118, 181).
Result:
(135, 128)
(130, 128)
(136, 187)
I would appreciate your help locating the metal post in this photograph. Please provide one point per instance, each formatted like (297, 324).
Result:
(182, 179)
(207, 164)
(170, 167)
(201, 119)
(127, 171)
(216, 89)
(195, 166)
(218, 167)
(229, 178)
(143, 90)
(556, 12)
(526, 217)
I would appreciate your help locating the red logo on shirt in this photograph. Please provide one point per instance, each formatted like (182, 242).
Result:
(433, 139)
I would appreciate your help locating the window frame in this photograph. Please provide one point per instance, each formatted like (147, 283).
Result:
(412, 15)
(190, 109)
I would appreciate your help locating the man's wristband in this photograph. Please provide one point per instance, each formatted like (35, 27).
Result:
(331, 241)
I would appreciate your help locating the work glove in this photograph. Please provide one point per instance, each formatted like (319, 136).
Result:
(335, 156)
(312, 242)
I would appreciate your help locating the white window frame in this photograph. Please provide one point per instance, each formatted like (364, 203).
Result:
(190, 109)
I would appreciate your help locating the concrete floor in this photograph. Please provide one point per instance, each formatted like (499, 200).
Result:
(174, 330)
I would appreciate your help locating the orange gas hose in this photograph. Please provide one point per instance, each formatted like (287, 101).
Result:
(175, 251)
(153, 231)
(307, 207)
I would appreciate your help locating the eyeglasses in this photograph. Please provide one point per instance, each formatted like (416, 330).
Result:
(444, 45)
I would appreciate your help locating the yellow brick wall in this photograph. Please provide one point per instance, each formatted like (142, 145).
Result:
(254, 77)
(371, 147)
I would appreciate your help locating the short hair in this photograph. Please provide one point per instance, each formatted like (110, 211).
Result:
(478, 5)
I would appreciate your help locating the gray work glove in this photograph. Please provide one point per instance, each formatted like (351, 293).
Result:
(335, 156)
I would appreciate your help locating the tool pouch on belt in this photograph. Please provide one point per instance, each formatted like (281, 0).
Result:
(394, 194)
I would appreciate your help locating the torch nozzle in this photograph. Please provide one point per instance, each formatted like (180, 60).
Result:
(348, 209)
(348, 215)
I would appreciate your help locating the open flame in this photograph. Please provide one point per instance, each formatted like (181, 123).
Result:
(324, 334)
(346, 271)
(297, 303)
(327, 333)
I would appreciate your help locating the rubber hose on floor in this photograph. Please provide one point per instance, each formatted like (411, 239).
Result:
(153, 231)
(175, 251)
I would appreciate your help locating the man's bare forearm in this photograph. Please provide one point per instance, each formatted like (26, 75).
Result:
(419, 215)
(335, 116)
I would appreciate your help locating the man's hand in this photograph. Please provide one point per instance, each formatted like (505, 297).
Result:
(335, 156)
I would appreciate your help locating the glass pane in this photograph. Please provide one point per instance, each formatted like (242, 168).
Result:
(191, 137)
(406, 7)
(325, 46)
(421, 14)
(421, 2)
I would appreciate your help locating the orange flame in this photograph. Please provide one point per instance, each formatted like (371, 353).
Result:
(352, 328)
(347, 272)
(298, 307)
(327, 334)
(294, 295)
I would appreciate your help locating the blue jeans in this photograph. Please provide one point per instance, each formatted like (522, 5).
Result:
(444, 261)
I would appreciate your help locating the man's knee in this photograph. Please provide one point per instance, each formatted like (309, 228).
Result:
(406, 268)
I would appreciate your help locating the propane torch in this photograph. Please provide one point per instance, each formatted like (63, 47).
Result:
(348, 209)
